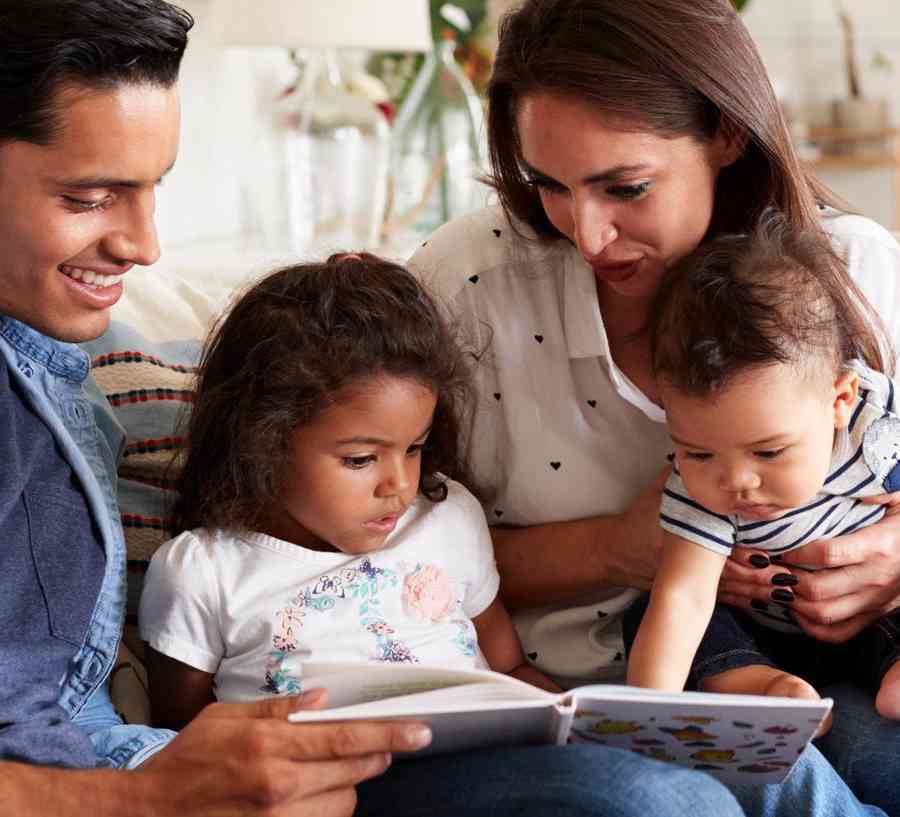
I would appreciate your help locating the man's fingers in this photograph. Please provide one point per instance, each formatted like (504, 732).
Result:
(277, 708)
(322, 741)
(319, 777)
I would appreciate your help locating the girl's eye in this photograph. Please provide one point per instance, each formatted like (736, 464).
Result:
(415, 450)
(629, 191)
(698, 456)
(358, 462)
(86, 205)
(769, 455)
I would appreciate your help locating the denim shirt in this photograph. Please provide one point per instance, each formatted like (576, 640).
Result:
(54, 376)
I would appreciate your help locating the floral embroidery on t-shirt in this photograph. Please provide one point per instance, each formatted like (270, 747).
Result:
(361, 584)
(427, 595)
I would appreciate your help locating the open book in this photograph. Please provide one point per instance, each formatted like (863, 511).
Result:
(737, 738)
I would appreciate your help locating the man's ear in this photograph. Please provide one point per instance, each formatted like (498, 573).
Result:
(846, 388)
(733, 140)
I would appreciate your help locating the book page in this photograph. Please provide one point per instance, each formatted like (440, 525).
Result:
(350, 684)
(736, 738)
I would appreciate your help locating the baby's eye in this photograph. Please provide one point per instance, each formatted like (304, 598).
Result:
(769, 455)
(697, 455)
(629, 191)
(358, 462)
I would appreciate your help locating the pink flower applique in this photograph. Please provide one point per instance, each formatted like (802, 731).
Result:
(427, 594)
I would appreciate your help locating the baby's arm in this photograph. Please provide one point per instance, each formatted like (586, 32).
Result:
(681, 604)
(500, 645)
(178, 691)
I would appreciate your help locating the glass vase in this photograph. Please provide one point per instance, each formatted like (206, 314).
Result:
(336, 148)
(437, 150)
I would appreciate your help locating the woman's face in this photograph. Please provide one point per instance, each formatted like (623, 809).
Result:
(632, 201)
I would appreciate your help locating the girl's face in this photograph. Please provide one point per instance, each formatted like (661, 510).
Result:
(354, 471)
(632, 201)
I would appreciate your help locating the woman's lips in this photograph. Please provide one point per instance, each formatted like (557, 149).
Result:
(615, 272)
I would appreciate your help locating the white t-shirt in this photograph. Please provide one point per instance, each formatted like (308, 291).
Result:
(560, 432)
(252, 609)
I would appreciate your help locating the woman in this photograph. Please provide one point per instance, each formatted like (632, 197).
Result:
(621, 135)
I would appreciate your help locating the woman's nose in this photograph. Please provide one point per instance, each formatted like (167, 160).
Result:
(594, 228)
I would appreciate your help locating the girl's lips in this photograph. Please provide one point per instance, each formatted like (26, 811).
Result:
(384, 524)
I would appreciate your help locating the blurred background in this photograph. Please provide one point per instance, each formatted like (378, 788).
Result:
(253, 111)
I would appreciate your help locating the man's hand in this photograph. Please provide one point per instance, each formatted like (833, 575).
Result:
(248, 759)
(856, 578)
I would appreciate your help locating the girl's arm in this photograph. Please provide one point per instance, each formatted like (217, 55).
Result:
(177, 691)
(500, 645)
(681, 605)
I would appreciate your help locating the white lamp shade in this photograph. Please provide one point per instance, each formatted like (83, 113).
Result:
(375, 25)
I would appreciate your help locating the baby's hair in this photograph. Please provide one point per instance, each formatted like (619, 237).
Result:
(283, 354)
(778, 295)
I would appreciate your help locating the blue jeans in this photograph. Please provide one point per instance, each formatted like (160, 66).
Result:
(544, 781)
(589, 781)
(813, 789)
(864, 748)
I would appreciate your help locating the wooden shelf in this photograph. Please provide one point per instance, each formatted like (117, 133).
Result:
(851, 149)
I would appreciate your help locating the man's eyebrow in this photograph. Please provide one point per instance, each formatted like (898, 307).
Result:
(611, 175)
(95, 182)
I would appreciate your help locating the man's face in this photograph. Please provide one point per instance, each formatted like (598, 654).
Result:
(78, 213)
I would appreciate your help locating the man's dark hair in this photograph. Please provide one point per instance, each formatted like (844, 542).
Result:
(777, 295)
(298, 341)
(96, 44)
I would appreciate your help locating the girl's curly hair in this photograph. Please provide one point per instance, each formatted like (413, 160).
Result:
(283, 353)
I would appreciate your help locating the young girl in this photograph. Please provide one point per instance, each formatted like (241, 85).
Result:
(320, 519)
(786, 431)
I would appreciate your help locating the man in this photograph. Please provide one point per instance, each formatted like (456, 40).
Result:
(89, 121)
(89, 124)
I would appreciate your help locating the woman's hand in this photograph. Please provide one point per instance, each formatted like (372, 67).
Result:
(856, 578)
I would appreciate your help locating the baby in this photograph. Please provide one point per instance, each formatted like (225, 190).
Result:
(785, 430)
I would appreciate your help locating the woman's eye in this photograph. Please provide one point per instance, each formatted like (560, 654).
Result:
(629, 191)
(86, 205)
(415, 449)
(770, 455)
(699, 456)
(545, 185)
(358, 462)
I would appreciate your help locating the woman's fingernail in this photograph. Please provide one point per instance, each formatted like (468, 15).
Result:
(758, 560)
(670, 457)
(784, 596)
(418, 736)
(784, 580)
(756, 604)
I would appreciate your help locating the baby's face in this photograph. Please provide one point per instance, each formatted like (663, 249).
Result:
(763, 444)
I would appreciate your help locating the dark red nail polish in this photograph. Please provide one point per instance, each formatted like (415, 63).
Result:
(758, 560)
(784, 580)
(784, 596)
